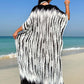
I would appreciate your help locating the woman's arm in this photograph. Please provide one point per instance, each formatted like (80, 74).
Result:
(67, 2)
(26, 25)
(19, 29)
(16, 32)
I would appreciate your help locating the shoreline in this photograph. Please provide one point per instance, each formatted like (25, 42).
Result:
(65, 52)
(71, 51)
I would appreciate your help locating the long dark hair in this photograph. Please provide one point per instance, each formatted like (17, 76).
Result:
(39, 1)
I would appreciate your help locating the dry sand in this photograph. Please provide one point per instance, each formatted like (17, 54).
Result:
(72, 67)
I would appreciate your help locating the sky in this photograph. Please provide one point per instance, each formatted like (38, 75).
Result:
(13, 13)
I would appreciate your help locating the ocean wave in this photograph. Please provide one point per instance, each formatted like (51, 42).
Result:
(11, 55)
(73, 48)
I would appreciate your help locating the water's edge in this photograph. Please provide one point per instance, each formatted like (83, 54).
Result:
(65, 52)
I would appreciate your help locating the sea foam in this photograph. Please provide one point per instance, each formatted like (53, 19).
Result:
(11, 55)
(73, 48)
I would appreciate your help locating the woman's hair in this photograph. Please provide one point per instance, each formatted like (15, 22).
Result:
(39, 1)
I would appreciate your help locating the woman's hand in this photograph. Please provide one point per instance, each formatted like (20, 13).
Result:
(18, 30)
(67, 2)
(15, 35)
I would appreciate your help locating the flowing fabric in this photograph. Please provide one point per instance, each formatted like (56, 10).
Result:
(39, 46)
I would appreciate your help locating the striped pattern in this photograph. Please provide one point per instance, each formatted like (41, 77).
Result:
(39, 46)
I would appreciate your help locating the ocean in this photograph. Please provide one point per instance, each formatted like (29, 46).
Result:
(7, 45)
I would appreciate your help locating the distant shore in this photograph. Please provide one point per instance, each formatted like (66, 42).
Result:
(72, 67)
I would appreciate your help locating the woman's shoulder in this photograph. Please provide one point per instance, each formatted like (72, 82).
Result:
(47, 7)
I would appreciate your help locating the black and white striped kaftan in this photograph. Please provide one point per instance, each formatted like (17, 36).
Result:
(40, 44)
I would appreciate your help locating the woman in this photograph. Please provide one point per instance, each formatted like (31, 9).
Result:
(40, 45)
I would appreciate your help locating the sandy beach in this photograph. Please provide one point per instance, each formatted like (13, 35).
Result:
(72, 67)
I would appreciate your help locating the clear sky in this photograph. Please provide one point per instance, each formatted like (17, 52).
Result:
(13, 14)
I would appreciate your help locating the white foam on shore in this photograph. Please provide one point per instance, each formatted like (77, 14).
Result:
(73, 48)
(11, 55)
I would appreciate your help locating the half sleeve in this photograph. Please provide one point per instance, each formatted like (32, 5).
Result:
(27, 24)
(64, 21)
